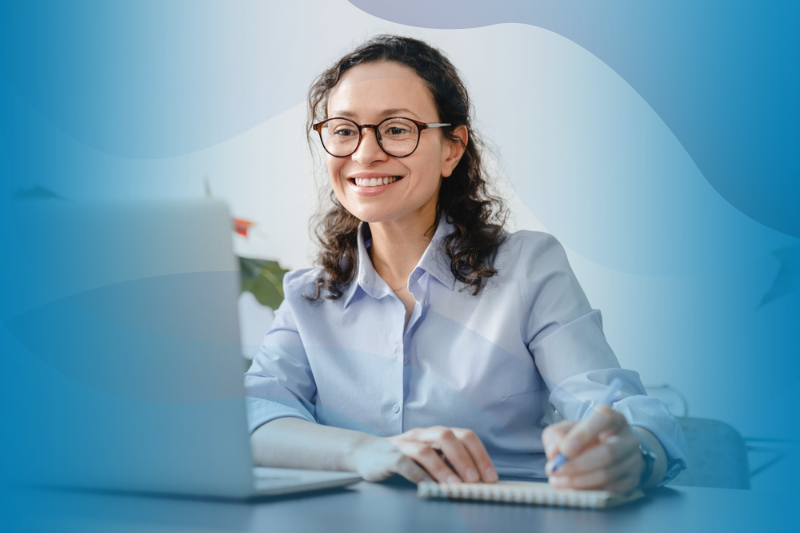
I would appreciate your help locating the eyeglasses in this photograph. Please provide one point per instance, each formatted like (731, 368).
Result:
(397, 136)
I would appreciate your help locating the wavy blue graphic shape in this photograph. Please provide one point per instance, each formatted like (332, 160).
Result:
(718, 73)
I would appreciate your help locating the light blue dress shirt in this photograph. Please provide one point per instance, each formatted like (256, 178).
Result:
(498, 363)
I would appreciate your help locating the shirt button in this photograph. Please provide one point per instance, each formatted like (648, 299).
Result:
(405, 360)
(415, 276)
(396, 408)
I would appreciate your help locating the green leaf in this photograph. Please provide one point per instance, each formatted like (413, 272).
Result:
(264, 279)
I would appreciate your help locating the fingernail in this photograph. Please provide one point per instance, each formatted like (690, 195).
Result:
(548, 468)
(491, 474)
(557, 481)
(472, 475)
(453, 479)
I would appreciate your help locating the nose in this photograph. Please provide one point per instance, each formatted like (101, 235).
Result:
(369, 151)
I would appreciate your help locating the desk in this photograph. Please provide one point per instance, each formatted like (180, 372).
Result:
(367, 507)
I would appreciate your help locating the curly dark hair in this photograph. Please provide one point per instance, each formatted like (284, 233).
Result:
(477, 215)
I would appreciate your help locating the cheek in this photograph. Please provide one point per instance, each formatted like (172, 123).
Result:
(431, 165)
(334, 170)
(430, 171)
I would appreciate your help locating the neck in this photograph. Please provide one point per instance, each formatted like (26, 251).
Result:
(397, 246)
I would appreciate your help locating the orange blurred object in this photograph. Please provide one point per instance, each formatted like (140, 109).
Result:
(241, 226)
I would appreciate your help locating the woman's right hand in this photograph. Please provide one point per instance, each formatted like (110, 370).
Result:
(446, 455)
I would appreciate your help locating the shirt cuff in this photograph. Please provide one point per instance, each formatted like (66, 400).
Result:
(652, 415)
(262, 410)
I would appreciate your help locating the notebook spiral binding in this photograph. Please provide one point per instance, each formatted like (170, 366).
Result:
(585, 499)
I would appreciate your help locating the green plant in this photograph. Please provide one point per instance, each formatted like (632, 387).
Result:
(264, 279)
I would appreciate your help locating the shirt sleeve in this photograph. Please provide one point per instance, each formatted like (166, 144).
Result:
(565, 336)
(280, 382)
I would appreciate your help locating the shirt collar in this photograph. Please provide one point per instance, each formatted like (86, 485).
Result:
(434, 261)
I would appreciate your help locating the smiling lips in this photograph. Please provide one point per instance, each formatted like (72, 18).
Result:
(372, 184)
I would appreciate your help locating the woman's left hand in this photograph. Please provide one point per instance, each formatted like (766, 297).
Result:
(602, 449)
(449, 455)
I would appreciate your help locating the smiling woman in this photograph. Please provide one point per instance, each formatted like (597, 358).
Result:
(442, 343)
(390, 147)
(407, 80)
(416, 163)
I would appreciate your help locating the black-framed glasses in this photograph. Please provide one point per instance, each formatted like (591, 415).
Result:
(397, 136)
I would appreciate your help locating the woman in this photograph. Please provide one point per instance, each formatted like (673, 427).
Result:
(431, 343)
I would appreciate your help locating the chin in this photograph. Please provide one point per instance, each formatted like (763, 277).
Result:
(372, 215)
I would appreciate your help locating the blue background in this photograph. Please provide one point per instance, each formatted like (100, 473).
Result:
(89, 88)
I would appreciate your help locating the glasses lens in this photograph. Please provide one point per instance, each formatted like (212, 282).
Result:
(340, 136)
(399, 136)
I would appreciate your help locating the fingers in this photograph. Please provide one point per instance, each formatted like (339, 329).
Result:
(609, 451)
(612, 462)
(412, 471)
(464, 458)
(553, 434)
(479, 455)
(422, 455)
(585, 432)
(432, 462)
(603, 452)
(457, 455)
(619, 477)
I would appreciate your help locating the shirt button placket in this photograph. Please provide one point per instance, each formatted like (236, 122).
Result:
(400, 356)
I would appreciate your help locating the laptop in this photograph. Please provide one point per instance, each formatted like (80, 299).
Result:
(139, 375)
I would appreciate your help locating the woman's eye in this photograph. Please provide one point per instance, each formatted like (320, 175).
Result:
(344, 132)
(397, 130)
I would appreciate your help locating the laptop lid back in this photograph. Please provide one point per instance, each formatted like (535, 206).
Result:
(135, 375)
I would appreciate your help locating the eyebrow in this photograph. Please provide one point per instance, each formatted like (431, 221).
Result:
(382, 114)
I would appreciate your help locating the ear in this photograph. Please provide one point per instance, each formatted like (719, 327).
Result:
(454, 150)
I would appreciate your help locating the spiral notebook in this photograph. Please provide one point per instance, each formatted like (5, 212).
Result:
(527, 492)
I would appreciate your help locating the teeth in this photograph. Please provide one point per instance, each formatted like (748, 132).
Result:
(374, 182)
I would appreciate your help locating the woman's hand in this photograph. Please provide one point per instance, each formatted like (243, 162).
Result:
(602, 449)
(376, 458)
(446, 455)
(449, 455)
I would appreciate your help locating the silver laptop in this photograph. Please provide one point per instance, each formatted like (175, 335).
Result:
(141, 384)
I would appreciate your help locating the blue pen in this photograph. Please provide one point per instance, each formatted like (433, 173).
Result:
(612, 390)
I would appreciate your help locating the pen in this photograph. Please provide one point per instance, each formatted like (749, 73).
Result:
(613, 388)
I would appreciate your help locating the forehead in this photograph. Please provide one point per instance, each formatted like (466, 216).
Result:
(370, 91)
